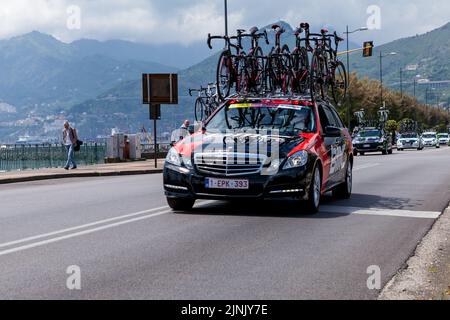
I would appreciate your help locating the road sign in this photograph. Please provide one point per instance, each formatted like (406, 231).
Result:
(157, 89)
(367, 49)
(155, 112)
(160, 88)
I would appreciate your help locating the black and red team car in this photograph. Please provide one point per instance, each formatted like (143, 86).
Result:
(263, 149)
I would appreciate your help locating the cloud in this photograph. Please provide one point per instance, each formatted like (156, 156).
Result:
(187, 21)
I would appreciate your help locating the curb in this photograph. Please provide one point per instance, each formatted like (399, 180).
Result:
(426, 274)
(78, 175)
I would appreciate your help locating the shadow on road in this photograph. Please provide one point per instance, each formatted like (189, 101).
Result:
(286, 208)
(374, 201)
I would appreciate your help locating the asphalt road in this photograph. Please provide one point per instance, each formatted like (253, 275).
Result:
(128, 245)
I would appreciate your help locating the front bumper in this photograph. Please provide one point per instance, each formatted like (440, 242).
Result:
(368, 147)
(410, 145)
(429, 144)
(191, 184)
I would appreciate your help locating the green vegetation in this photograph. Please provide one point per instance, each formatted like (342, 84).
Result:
(365, 94)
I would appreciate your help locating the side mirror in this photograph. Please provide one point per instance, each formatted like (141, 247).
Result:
(332, 132)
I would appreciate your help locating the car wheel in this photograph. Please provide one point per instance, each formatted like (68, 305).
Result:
(315, 192)
(355, 153)
(344, 190)
(180, 204)
(390, 151)
(362, 153)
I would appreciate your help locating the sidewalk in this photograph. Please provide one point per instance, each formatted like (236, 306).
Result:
(101, 170)
(427, 272)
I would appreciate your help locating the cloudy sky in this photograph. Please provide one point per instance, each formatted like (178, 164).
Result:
(187, 21)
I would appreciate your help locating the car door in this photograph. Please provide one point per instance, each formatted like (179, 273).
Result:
(330, 145)
(342, 149)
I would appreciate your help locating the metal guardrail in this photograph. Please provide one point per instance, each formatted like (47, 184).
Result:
(149, 148)
(22, 157)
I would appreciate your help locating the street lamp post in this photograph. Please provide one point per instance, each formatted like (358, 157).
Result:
(226, 17)
(401, 83)
(381, 72)
(347, 32)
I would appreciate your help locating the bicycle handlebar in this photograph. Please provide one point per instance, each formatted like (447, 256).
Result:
(227, 40)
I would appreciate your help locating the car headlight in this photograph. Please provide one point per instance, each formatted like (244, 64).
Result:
(399, 142)
(173, 157)
(298, 159)
(187, 162)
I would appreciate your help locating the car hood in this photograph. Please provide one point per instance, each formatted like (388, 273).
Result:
(240, 142)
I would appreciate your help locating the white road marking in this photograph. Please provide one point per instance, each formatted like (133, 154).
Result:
(7, 244)
(77, 234)
(382, 212)
(87, 231)
(365, 166)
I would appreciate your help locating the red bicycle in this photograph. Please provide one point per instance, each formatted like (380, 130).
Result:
(279, 65)
(227, 75)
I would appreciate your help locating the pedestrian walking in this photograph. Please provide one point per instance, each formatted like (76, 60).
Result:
(70, 139)
(181, 133)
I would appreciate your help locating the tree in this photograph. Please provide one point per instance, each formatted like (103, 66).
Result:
(392, 127)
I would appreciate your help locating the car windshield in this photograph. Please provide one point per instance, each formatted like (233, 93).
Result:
(429, 136)
(290, 120)
(443, 135)
(408, 136)
(369, 133)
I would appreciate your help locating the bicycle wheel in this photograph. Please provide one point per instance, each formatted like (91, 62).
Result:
(242, 81)
(223, 75)
(316, 75)
(257, 71)
(286, 71)
(339, 83)
(200, 109)
(303, 79)
(273, 73)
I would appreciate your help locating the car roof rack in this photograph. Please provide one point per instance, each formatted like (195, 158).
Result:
(255, 97)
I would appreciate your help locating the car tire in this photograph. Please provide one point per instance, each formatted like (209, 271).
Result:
(390, 151)
(314, 193)
(180, 203)
(355, 153)
(344, 190)
(362, 153)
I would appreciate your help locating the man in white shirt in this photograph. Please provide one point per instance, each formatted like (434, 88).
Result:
(70, 140)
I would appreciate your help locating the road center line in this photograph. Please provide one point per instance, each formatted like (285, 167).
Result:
(44, 235)
(365, 166)
(80, 233)
(382, 212)
(84, 232)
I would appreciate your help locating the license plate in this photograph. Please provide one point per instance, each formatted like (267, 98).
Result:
(211, 183)
(366, 146)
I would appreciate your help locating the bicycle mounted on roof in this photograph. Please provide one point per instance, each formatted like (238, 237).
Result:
(207, 101)
(312, 68)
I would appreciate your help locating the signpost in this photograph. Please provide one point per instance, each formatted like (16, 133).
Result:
(158, 89)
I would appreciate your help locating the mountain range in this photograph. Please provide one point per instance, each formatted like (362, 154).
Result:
(97, 84)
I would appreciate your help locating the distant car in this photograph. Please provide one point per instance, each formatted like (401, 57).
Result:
(443, 138)
(410, 141)
(430, 139)
(372, 140)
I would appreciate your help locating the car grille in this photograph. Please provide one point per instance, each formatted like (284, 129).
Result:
(229, 164)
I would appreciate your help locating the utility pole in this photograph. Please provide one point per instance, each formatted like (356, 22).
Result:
(347, 32)
(401, 83)
(381, 77)
(415, 81)
(381, 72)
(226, 17)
